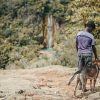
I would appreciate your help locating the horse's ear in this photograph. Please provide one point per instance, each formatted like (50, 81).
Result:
(96, 62)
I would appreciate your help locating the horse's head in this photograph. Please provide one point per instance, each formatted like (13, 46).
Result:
(97, 62)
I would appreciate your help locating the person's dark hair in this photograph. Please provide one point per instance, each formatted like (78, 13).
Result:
(91, 24)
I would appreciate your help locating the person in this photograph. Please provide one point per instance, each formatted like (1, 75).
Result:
(85, 45)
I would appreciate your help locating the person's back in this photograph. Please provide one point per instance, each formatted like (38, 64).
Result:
(85, 41)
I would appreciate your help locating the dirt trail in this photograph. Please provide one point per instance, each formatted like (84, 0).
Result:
(47, 83)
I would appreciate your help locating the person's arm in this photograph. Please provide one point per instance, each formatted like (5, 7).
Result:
(94, 51)
(76, 45)
(94, 48)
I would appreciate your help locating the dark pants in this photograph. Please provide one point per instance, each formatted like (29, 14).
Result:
(84, 60)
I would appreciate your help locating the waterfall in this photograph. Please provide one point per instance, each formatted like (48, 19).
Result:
(50, 31)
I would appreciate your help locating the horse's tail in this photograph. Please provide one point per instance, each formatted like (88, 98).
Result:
(72, 78)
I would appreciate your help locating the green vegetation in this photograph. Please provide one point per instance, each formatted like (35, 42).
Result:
(21, 29)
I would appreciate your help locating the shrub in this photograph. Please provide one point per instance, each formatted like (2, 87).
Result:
(8, 32)
(4, 59)
(4, 55)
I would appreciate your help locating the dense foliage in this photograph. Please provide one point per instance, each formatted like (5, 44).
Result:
(21, 25)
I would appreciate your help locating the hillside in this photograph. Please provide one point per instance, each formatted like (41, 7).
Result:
(33, 72)
(21, 34)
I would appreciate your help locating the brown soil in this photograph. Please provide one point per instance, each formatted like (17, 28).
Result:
(47, 83)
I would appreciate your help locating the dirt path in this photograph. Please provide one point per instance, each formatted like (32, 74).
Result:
(47, 83)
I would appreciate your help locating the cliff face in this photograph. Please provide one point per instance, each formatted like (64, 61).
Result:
(21, 34)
